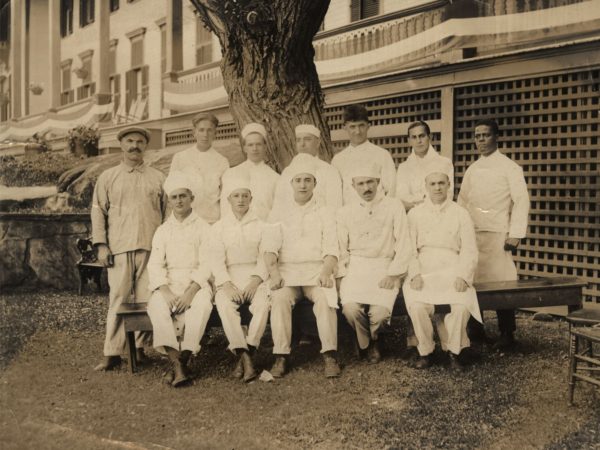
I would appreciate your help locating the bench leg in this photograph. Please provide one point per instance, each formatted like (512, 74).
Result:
(572, 365)
(132, 363)
(80, 289)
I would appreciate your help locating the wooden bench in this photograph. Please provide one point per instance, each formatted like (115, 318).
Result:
(88, 266)
(533, 293)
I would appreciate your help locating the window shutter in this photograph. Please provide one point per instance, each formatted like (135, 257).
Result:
(355, 10)
(130, 88)
(370, 8)
(137, 52)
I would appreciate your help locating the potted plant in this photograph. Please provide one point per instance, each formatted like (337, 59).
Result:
(83, 141)
(36, 144)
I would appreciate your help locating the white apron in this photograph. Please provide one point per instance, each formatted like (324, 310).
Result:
(495, 263)
(361, 283)
(307, 274)
(438, 269)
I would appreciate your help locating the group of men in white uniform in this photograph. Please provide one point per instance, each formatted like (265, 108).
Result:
(334, 234)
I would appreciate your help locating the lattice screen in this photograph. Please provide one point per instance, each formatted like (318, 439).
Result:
(389, 111)
(224, 131)
(550, 126)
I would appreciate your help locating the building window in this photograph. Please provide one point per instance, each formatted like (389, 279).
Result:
(361, 9)
(136, 93)
(4, 20)
(203, 44)
(114, 5)
(66, 93)
(66, 17)
(86, 12)
(115, 91)
(87, 88)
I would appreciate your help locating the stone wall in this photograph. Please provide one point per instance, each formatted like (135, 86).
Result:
(40, 250)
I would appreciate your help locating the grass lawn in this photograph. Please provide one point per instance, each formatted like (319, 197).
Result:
(50, 398)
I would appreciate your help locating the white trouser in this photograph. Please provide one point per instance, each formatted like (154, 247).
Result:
(411, 339)
(453, 332)
(282, 302)
(128, 281)
(366, 325)
(231, 320)
(195, 319)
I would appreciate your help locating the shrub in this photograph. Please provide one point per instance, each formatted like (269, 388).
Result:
(87, 137)
(41, 140)
(38, 170)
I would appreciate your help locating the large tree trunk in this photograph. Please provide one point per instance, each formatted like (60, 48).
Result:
(268, 68)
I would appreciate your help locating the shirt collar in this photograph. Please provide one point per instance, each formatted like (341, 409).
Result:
(373, 203)
(125, 168)
(361, 147)
(431, 154)
(439, 208)
(189, 219)
(250, 216)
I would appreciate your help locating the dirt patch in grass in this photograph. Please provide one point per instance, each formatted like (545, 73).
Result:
(51, 398)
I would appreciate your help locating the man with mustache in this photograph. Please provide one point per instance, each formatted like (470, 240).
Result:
(374, 256)
(127, 206)
(494, 192)
(204, 166)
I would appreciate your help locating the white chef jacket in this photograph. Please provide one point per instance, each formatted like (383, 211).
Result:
(374, 243)
(263, 180)
(204, 170)
(235, 249)
(180, 254)
(328, 191)
(443, 248)
(494, 192)
(301, 238)
(366, 153)
(410, 177)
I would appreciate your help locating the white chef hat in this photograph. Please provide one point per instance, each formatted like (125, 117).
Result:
(366, 169)
(303, 163)
(435, 168)
(232, 184)
(177, 180)
(254, 128)
(309, 129)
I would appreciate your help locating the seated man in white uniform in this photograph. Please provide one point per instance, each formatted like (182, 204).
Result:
(181, 301)
(374, 254)
(262, 178)
(239, 271)
(441, 271)
(301, 251)
(328, 191)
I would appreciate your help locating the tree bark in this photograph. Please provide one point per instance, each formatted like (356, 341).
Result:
(268, 67)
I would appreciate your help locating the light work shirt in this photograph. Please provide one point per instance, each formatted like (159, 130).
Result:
(262, 179)
(180, 254)
(204, 170)
(128, 205)
(366, 153)
(494, 192)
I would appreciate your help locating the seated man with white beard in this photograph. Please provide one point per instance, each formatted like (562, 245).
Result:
(441, 270)
(374, 254)
(181, 301)
(239, 270)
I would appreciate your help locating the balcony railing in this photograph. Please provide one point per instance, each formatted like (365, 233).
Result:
(205, 77)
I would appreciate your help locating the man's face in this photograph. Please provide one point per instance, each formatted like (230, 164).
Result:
(180, 201)
(366, 187)
(357, 132)
(419, 140)
(204, 132)
(307, 143)
(240, 201)
(437, 185)
(133, 146)
(485, 140)
(255, 148)
(303, 185)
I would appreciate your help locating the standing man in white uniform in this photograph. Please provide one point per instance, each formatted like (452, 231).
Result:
(301, 251)
(410, 178)
(127, 206)
(204, 167)
(178, 269)
(374, 255)
(494, 192)
(328, 191)
(441, 270)
(239, 271)
(262, 178)
(361, 152)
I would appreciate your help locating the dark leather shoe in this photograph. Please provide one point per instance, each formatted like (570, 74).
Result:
(279, 368)
(455, 364)
(108, 363)
(506, 342)
(238, 371)
(249, 372)
(374, 355)
(424, 362)
(332, 368)
(180, 375)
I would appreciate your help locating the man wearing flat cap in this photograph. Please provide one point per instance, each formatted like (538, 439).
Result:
(328, 191)
(361, 152)
(261, 177)
(128, 205)
(301, 251)
(239, 270)
(178, 270)
(374, 257)
(204, 166)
